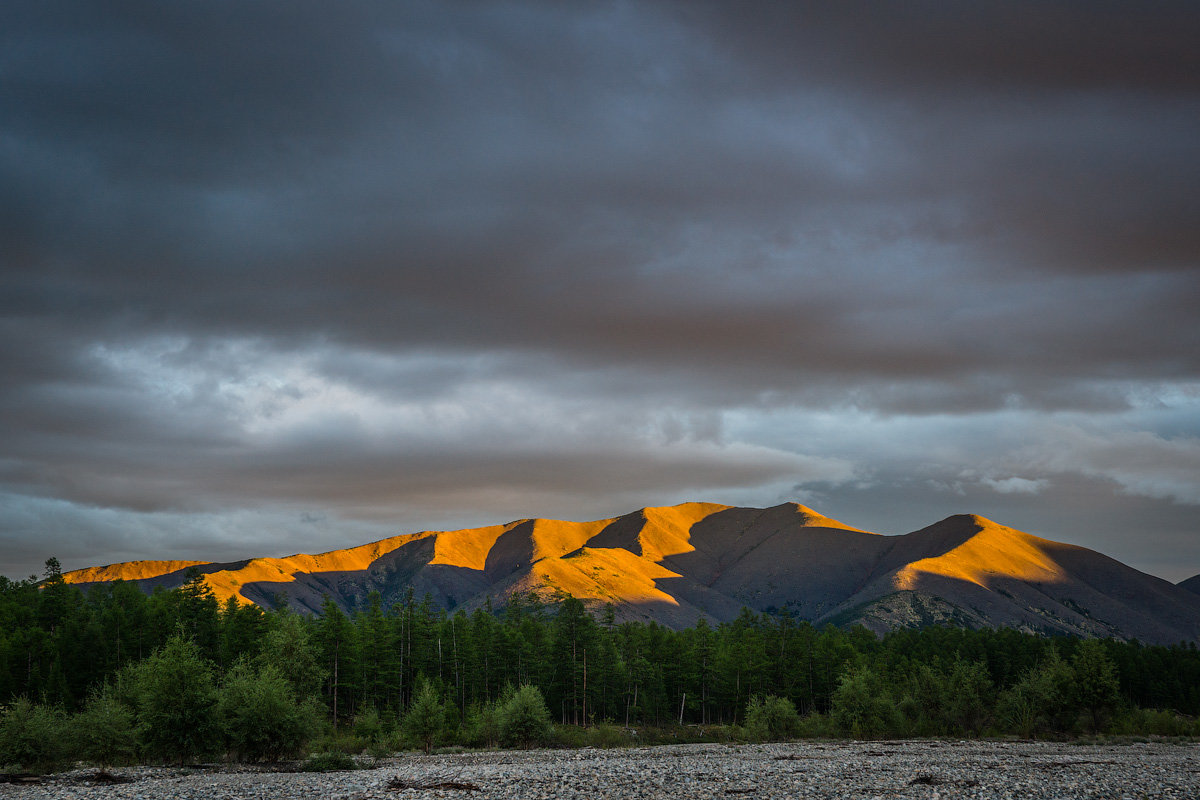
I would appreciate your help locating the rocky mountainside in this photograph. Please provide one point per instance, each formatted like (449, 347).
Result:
(1192, 584)
(676, 564)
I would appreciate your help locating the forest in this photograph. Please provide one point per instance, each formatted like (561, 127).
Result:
(114, 675)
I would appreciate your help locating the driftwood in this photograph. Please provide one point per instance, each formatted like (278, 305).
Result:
(104, 776)
(1059, 764)
(937, 780)
(432, 780)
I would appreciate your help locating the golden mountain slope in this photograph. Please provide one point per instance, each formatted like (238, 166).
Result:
(679, 563)
(129, 571)
(992, 551)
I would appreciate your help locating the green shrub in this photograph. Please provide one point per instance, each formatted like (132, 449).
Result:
(260, 715)
(481, 728)
(329, 761)
(524, 719)
(923, 709)
(104, 732)
(1154, 722)
(605, 735)
(1094, 688)
(1038, 702)
(176, 702)
(367, 725)
(566, 737)
(862, 706)
(338, 742)
(969, 697)
(814, 726)
(771, 718)
(32, 737)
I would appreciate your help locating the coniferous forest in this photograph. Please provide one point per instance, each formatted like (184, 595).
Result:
(113, 675)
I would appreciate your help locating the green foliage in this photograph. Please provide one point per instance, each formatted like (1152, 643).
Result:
(863, 707)
(176, 702)
(524, 719)
(104, 732)
(32, 737)
(1153, 722)
(815, 726)
(261, 717)
(605, 735)
(329, 761)
(425, 718)
(924, 708)
(1036, 704)
(969, 697)
(771, 718)
(1094, 688)
(367, 725)
(481, 728)
(59, 645)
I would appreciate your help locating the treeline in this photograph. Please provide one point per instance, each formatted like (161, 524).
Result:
(110, 651)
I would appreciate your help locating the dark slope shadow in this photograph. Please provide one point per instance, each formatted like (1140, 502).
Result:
(768, 560)
(622, 533)
(512, 551)
(391, 575)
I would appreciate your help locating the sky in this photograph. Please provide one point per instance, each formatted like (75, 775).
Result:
(283, 277)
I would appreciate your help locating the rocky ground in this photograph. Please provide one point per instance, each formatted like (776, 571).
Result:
(922, 770)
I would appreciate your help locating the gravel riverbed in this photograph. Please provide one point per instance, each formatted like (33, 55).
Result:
(921, 770)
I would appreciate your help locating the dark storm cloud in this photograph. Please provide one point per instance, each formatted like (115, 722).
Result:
(383, 253)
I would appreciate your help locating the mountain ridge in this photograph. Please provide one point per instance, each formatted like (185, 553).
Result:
(677, 564)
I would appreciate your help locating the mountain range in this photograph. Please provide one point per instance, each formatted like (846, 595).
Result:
(674, 565)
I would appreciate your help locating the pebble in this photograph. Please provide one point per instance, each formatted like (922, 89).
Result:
(906, 770)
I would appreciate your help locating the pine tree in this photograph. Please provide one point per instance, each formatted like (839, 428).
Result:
(524, 718)
(425, 717)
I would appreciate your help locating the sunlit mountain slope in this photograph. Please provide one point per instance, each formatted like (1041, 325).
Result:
(677, 564)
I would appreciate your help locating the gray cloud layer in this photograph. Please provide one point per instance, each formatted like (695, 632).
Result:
(393, 265)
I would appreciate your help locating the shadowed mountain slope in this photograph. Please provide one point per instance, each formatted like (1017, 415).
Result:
(1192, 584)
(677, 564)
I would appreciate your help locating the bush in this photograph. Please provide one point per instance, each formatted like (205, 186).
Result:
(1094, 688)
(176, 702)
(924, 708)
(1154, 722)
(814, 726)
(771, 718)
(332, 741)
(260, 715)
(524, 719)
(1042, 701)
(482, 725)
(606, 735)
(367, 725)
(104, 731)
(969, 697)
(603, 735)
(863, 707)
(31, 737)
(331, 761)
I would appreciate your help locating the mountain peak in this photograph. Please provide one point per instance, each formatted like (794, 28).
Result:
(976, 520)
(815, 519)
(677, 564)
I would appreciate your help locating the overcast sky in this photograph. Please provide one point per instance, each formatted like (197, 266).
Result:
(293, 276)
